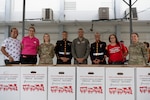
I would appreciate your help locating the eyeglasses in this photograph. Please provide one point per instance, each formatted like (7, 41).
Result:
(112, 37)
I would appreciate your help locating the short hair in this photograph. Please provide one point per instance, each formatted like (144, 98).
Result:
(65, 32)
(32, 28)
(80, 29)
(97, 33)
(13, 29)
(135, 34)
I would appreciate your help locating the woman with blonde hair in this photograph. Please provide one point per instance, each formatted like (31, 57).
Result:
(46, 50)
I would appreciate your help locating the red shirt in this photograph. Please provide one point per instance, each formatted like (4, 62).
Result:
(30, 45)
(116, 52)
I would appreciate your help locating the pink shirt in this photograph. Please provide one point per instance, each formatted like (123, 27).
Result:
(30, 45)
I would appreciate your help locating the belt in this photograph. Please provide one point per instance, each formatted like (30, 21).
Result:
(64, 53)
(98, 54)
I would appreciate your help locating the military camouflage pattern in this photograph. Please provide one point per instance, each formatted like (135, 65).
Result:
(138, 54)
(46, 53)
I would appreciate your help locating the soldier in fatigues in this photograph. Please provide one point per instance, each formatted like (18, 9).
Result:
(137, 51)
(98, 51)
(46, 50)
(63, 50)
(80, 48)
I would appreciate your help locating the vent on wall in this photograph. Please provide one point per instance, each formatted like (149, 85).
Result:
(133, 14)
(70, 6)
(104, 13)
(47, 14)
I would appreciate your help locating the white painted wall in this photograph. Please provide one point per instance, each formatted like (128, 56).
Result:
(85, 10)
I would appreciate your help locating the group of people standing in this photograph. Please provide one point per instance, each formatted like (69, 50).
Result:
(16, 51)
(26, 51)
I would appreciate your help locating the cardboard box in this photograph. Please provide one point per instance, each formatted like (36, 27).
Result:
(142, 83)
(120, 83)
(61, 83)
(33, 83)
(10, 83)
(90, 83)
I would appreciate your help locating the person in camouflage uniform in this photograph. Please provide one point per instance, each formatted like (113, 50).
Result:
(46, 51)
(137, 51)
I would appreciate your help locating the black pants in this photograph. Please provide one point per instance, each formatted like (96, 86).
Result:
(117, 63)
(28, 59)
(103, 62)
(14, 62)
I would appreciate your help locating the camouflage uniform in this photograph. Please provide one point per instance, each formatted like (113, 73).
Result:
(46, 53)
(137, 54)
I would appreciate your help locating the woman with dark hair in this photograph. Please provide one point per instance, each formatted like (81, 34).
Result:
(29, 47)
(137, 51)
(115, 51)
(11, 48)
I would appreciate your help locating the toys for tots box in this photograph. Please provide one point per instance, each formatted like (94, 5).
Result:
(120, 83)
(90, 83)
(33, 83)
(142, 83)
(61, 83)
(9, 83)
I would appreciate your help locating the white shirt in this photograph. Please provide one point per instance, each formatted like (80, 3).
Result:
(12, 47)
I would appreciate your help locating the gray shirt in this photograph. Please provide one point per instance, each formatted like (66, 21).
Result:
(80, 48)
